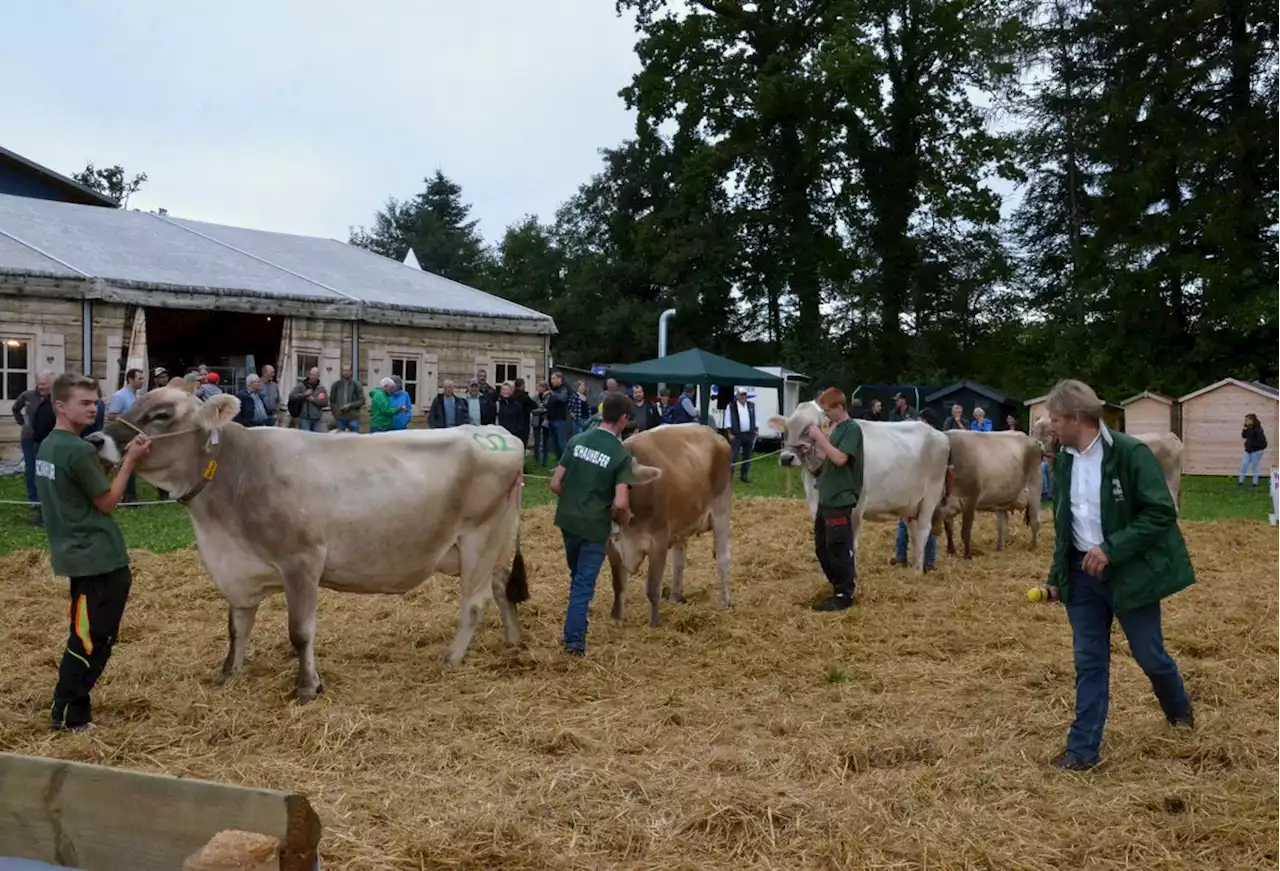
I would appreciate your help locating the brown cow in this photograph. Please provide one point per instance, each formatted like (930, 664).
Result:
(993, 471)
(1166, 446)
(683, 486)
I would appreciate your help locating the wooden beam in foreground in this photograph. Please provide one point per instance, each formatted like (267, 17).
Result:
(111, 819)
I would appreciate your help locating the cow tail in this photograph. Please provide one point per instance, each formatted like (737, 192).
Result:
(517, 578)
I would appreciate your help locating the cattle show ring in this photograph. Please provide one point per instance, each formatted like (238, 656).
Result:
(910, 732)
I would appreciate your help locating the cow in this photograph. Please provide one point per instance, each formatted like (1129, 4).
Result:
(991, 471)
(1166, 446)
(279, 509)
(904, 472)
(682, 486)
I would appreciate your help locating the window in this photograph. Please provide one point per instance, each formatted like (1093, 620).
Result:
(504, 372)
(406, 369)
(306, 362)
(15, 367)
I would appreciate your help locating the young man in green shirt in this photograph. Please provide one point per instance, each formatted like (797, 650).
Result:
(85, 544)
(591, 481)
(1117, 552)
(839, 488)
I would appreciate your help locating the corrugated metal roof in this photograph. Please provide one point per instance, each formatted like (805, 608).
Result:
(119, 245)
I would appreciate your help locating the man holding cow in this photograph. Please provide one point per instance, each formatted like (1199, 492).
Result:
(839, 487)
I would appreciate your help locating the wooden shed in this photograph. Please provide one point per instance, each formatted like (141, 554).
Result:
(1112, 414)
(104, 290)
(1150, 412)
(1212, 418)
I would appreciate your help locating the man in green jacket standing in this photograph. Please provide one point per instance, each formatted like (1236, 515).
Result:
(1118, 551)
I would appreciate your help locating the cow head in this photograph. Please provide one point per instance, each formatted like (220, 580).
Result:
(1042, 432)
(181, 428)
(797, 448)
(648, 499)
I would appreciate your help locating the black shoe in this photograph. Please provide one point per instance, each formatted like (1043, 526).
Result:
(78, 727)
(1067, 762)
(745, 480)
(834, 603)
(574, 651)
(1187, 722)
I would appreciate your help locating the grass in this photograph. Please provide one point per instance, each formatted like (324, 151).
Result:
(165, 528)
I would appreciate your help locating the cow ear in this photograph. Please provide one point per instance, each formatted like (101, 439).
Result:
(218, 411)
(647, 489)
(778, 424)
(184, 385)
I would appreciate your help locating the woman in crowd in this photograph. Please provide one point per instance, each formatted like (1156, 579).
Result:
(1255, 445)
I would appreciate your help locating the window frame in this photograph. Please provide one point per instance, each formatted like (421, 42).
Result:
(32, 342)
(415, 396)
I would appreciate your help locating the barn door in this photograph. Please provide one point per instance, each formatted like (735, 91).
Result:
(330, 364)
(51, 353)
(379, 365)
(428, 380)
(528, 368)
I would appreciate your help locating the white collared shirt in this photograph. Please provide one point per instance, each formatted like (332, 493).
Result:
(1086, 495)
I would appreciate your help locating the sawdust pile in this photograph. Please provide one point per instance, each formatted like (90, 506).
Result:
(912, 732)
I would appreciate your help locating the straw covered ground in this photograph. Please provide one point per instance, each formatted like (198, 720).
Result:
(910, 733)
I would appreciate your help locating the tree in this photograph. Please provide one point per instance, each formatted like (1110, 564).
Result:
(110, 181)
(435, 225)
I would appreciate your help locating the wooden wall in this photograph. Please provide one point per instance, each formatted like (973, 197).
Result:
(1211, 424)
(1148, 415)
(51, 326)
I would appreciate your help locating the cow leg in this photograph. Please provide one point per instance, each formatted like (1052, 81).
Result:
(966, 527)
(653, 583)
(722, 542)
(677, 554)
(947, 525)
(1002, 529)
(506, 610)
(301, 595)
(479, 563)
(619, 576)
(239, 625)
(1033, 520)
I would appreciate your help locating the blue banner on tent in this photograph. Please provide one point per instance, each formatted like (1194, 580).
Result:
(597, 369)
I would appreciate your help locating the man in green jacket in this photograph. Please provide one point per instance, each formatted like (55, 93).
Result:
(1117, 552)
(380, 406)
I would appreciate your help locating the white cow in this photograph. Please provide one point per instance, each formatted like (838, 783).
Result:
(904, 472)
(286, 510)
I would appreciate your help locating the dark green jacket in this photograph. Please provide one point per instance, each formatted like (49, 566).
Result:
(379, 410)
(1148, 556)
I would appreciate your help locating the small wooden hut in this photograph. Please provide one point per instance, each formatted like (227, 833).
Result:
(1212, 418)
(1150, 412)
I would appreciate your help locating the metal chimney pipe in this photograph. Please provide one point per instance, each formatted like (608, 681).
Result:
(663, 320)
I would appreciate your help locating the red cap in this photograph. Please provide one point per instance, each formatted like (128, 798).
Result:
(212, 378)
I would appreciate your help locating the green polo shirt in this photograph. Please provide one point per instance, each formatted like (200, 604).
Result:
(595, 463)
(841, 486)
(82, 540)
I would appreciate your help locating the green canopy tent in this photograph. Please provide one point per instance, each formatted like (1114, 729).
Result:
(695, 367)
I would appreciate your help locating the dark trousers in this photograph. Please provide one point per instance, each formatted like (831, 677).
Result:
(833, 541)
(743, 442)
(540, 445)
(557, 437)
(1090, 613)
(29, 463)
(94, 613)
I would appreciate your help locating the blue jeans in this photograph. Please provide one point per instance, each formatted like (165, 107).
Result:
(1046, 481)
(352, 425)
(310, 424)
(1250, 461)
(1090, 614)
(904, 538)
(29, 464)
(556, 439)
(580, 426)
(584, 558)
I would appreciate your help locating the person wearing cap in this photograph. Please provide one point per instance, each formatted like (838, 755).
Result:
(839, 490)
(160, 376)
(901, 410)
(741, 420)
(209, 388)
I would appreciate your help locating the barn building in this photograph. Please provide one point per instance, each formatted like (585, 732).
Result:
(21, 177)
(1150, 412)
(1212, 418)
(105, 290)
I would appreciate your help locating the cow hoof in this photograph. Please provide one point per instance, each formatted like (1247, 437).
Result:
(452, 661)
(307, 696)
(676, 600)
(222, 677)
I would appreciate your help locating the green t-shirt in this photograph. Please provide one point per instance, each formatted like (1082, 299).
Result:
(841, 486)
(595, 463)
(82, 540)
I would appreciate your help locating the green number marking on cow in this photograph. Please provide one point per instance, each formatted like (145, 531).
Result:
(491, 442)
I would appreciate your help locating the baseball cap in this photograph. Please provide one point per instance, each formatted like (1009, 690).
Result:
(159, 370)
(212, 378)
(898, 396)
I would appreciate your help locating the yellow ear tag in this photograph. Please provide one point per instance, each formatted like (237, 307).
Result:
(210, 470)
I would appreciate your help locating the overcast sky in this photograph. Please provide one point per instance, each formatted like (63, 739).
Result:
(303, 117)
